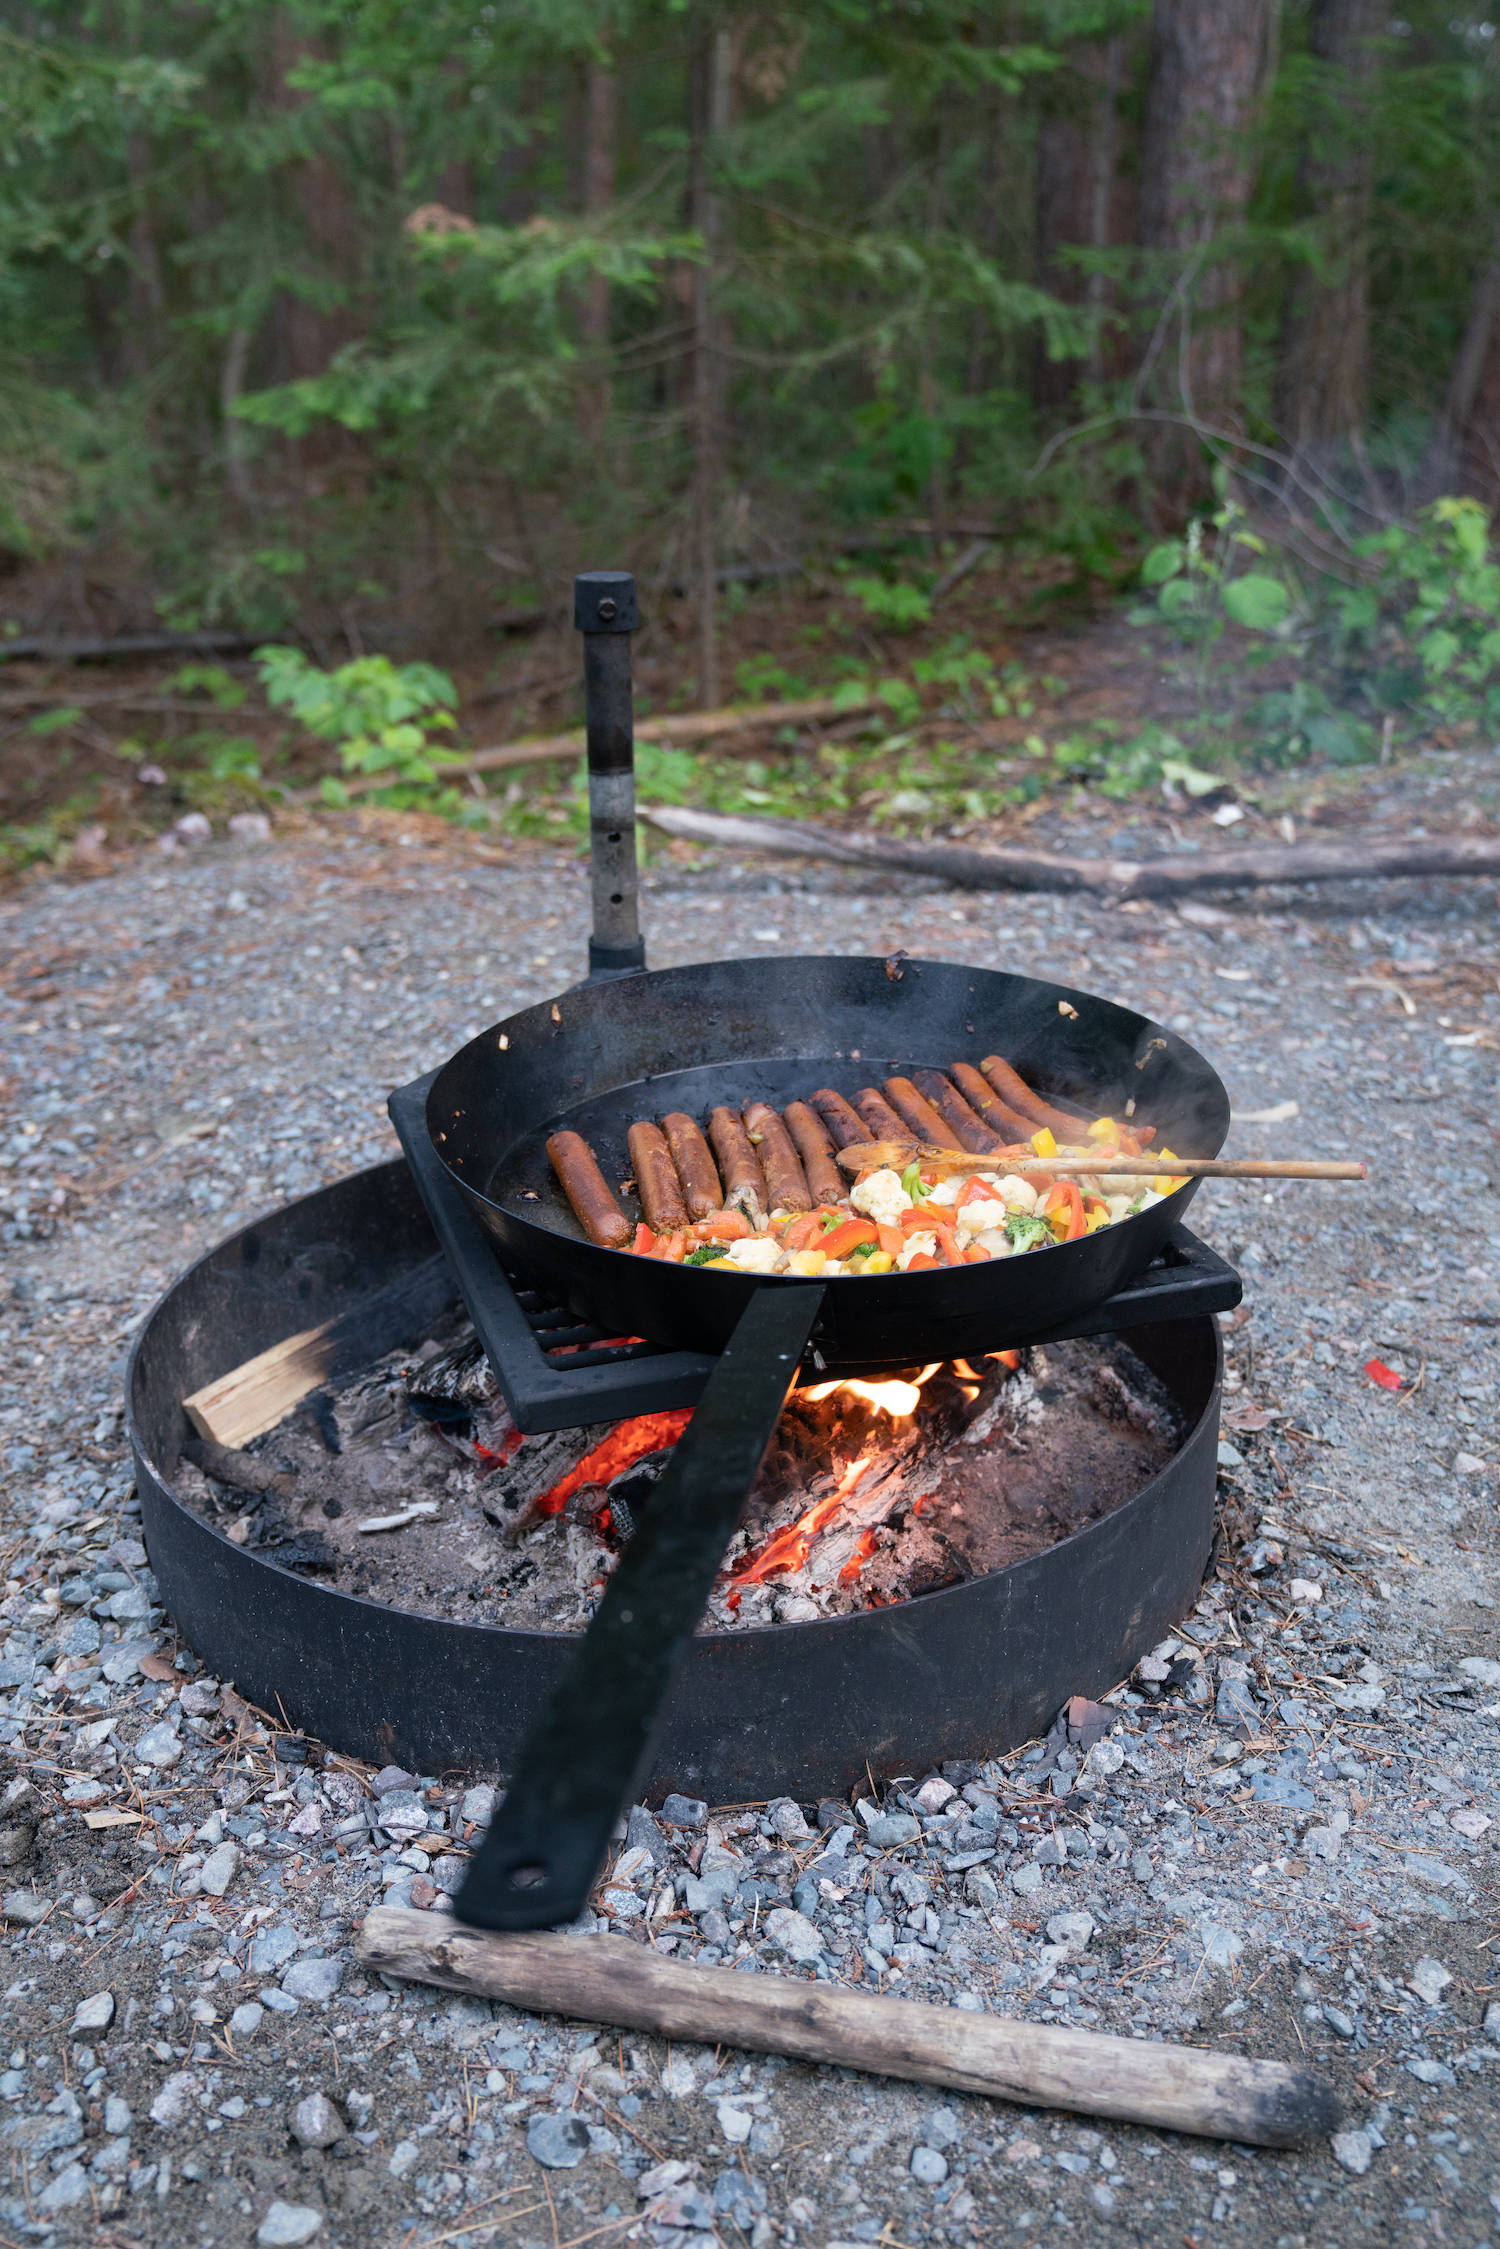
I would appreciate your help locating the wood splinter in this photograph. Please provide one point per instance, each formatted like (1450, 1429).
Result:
(610, 1980)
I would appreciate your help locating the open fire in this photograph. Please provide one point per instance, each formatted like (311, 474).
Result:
(871, 1492)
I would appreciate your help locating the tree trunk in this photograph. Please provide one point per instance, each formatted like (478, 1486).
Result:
(710, 116)
(601, 142)
(1209, 66)
(1465, 449)
(148, 297)
(1323, 378)
(307, 334)
(1084, 199)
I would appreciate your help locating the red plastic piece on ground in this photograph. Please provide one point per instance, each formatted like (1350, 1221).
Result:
(1379, 1373)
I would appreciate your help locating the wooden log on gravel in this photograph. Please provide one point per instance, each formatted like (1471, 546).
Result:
(1172, 877)
(685, 726)
(611, 1980)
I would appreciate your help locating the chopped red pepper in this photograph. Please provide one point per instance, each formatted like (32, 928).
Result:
(644, 1244)
(841, 1239)
(1065, 1198)
(1385, 1377)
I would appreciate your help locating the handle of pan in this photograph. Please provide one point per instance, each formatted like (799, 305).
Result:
(590, 1747)
(605, 612)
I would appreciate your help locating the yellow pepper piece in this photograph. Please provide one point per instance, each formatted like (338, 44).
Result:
(807, 1263)
(1094, 1219)
(879, 1261)
(1104, 1128)
(1044, 1142)
(1163, 1181)
(719, 1265)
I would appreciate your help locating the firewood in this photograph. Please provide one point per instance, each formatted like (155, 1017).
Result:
(610, 1980)
(253, 1397)
(968, 869)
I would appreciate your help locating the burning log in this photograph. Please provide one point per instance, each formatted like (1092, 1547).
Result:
(607, 1980)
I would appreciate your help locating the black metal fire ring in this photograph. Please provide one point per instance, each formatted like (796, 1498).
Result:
(799, 1708)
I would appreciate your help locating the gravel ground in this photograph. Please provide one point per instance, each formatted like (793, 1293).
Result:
(1285, 1846)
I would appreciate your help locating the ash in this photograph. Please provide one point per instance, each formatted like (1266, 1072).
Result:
(413, 1487)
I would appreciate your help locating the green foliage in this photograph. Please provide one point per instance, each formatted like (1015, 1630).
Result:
(380, 714)
(896, 604)
(1433, 605)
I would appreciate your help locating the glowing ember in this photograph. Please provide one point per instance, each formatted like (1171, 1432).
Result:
(491, 1457)
(627, 1443)
(789, 1549)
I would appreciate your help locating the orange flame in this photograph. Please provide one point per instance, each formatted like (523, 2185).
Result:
(629, 1442)
(898, 1399)
(858, 1558)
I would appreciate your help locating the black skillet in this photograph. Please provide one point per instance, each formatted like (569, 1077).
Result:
(604, 1055)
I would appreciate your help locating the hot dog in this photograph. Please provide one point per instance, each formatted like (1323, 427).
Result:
(1017, 1094)
(987, 1104)
(919, 1116)
(810, 1138)
(880, 1118)
(973, 1133)
(656, 1179)
(739, 1165)
(845, 1126)
(786, 1182)
(583, 1183)
(695, 1165)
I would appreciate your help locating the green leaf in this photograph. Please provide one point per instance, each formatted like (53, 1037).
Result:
(1257, 602)
(1191, 779)
(1162, 563)
(54, 722)
(332, 791)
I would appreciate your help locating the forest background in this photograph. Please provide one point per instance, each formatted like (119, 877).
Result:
(1057, 394)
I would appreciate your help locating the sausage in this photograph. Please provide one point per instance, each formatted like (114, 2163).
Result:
(880, 1118)
(810, 1138)
(987, 1104)
(1017, 1094)
(786, 1181)
(919, 1115)
(739, 1165)
(695, 1165)
(973, 1133)
(656, 1179)
(844, 1125)
(583, 1183)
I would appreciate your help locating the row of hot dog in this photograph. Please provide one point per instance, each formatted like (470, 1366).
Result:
(758, 1160)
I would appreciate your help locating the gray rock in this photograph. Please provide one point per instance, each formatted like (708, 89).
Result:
(891, 1828)
(315, 2122)
(313, 1979)
(1079, 2165)
(1051, 1850)
(159, 1747)
(116, 2116)
(685, 2207)
(247, 2019)
(132, 1606)
(1141, 1866)
(559, 2143)
(793, 1934)
(1492, 2021)
(219, 1869)
(1280, 1788)
(249, 827)
(1235, 1704)
(1322, 1842)
(175, 2100)
(390, 1777)
(32, 2136)
(94, 2014)
(702, 1894)
(286, 2224)
(1338, 2021)
(943, 2128)
(1429, 1979)
(684, 1811)
(1103, 2198)
(70, 2186)
(272, 1948)
(1353, 2151)
(1484, 1669)
(17, 1841)
(785, 1815)
(1430, 2073)
(23, 1908)
(643, 1834)
(478, 1806)
(928, 2166)
(1026, 1880)
(1071, 1930)
(402, 1814)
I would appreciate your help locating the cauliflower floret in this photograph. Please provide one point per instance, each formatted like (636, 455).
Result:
(758, 1254)
(1018, 1194)
(882, 1197)
(946, 1191)
(914, 1248)
(996, 1241)
(1118, 1206)
(985, 1211)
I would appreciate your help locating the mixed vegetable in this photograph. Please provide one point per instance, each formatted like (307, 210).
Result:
(917, 1220)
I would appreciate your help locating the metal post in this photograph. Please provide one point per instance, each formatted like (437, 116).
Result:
(605, 612)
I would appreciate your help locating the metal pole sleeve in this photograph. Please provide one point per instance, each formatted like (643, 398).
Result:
(616, 945)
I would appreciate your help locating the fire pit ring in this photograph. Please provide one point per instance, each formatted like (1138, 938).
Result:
(802, 1709)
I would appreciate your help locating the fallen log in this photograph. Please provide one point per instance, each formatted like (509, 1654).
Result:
(100, 649)
(684, 726)
(611, 1980)
(1172, 877)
